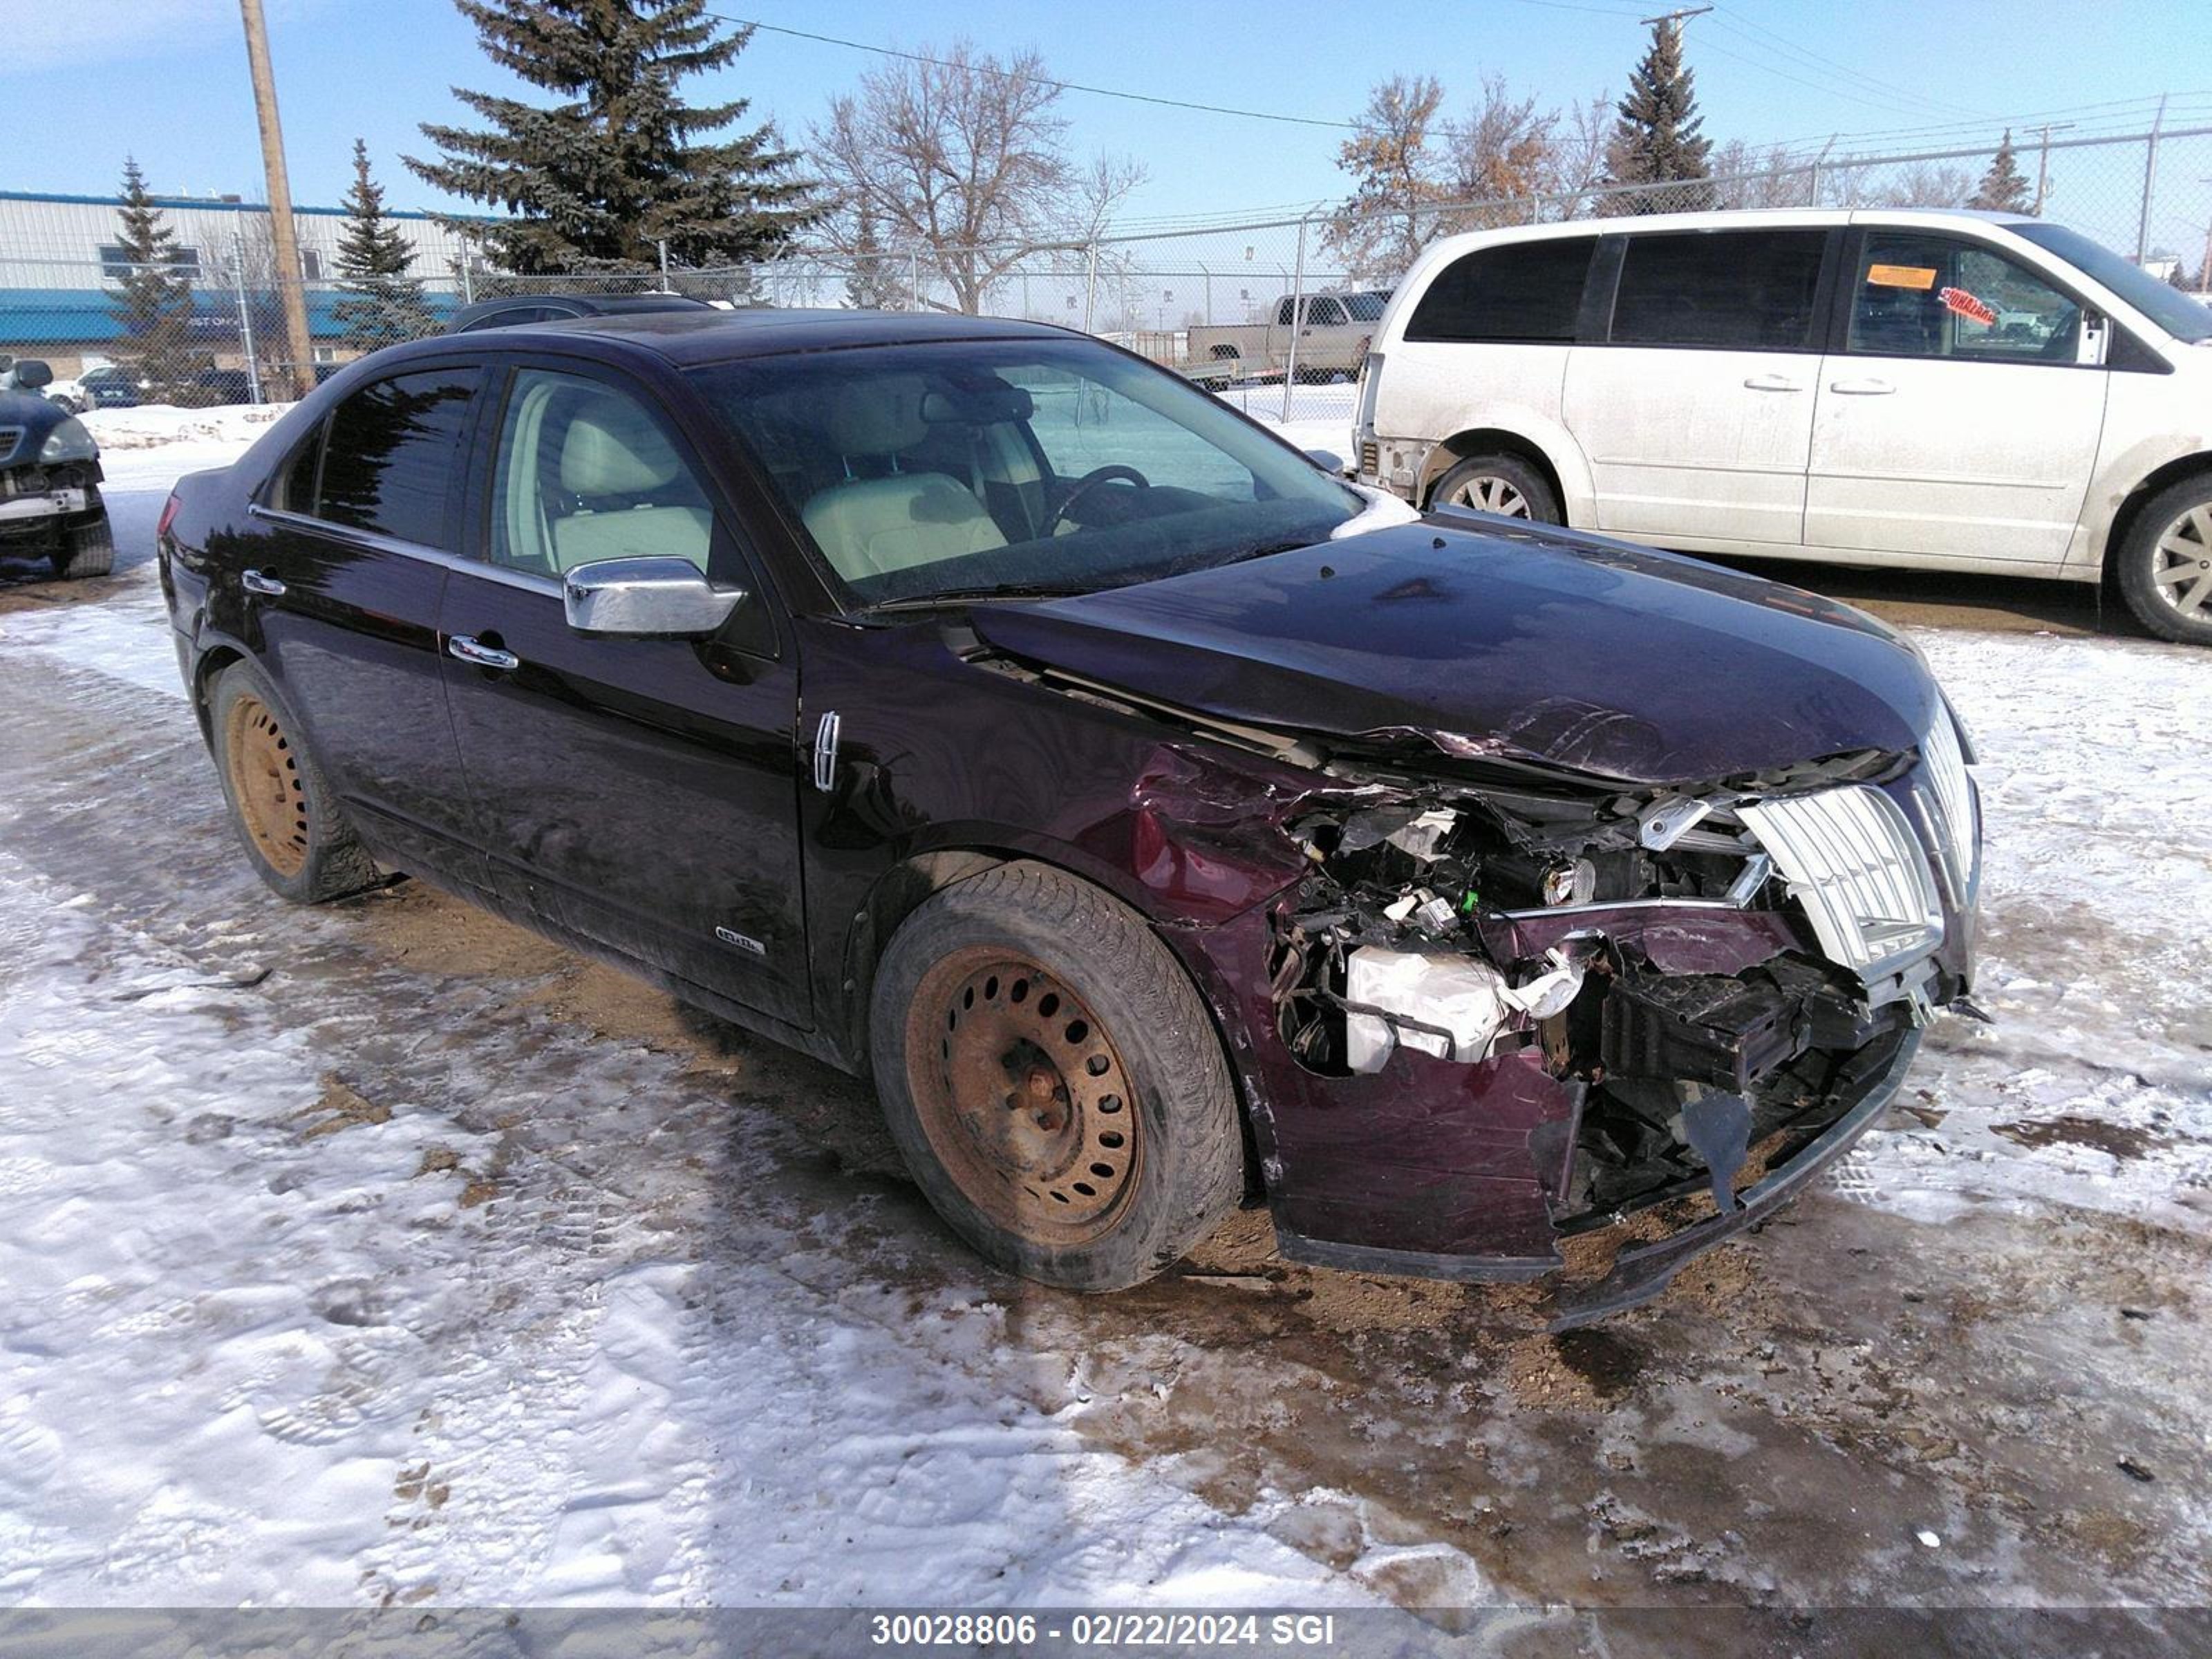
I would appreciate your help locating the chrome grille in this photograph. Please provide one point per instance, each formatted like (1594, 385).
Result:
(1946, 767)
(1849, 856)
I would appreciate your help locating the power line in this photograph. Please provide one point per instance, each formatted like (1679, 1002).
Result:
(1774, 41)
(1043, 79)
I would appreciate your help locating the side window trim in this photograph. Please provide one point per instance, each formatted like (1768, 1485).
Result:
(1600, 286)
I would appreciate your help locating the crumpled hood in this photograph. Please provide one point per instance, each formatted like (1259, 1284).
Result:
(1532, 644)
(34, 414)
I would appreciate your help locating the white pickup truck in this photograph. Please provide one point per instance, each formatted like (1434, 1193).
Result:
(1331, 333)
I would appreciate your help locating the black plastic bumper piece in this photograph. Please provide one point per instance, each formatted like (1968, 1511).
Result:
(1638, 1275)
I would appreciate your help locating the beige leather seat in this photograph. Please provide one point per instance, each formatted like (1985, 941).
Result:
(611, 450)
(868, 527)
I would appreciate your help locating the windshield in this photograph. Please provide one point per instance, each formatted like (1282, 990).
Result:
(1014, 467)
(1368, 308)
(2163, 304)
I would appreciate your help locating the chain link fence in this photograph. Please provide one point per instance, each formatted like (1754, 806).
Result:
(1255, 309)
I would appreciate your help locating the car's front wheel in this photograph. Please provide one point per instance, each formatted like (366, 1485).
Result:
(1052, 1080)
(87, 550)
(1501, 483)
(284, 809)
(2165, 565)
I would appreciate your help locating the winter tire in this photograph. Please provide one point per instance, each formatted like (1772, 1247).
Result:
(1500, 484)
(2165, 565)
(1052, 1080)
(87, 550)
(284, 809)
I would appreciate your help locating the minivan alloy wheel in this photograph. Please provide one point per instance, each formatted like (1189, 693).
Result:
(1490, 493)
(2181, 571)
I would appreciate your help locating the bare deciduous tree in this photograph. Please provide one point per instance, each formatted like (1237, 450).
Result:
(960, 160)
(1500, 156)
(1396, 183)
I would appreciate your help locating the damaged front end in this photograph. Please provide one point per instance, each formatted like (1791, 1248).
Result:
(1571, 1000)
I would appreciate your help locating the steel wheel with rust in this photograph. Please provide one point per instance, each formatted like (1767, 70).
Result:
(285, 813)
(1052, 1080)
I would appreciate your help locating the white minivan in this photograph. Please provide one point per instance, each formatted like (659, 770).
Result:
(1938, 388)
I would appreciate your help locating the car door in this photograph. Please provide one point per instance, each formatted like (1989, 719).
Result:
(1322, 332)
(639, 792)
(1958, 417)
(1694, 402)
(359, 529)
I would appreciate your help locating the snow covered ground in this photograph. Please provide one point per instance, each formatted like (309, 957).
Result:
(383, 1255)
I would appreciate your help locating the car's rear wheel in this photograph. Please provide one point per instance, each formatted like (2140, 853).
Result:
(283, 809)
(1501, 483)
(1052, 1080)
(87, 550)
(2165, 565)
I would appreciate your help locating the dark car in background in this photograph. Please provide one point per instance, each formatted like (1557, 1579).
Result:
(1159, 821)
(518, 308)
(50, 477)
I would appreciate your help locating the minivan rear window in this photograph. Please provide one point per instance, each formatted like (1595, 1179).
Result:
(1751, 290)
(1514, 292)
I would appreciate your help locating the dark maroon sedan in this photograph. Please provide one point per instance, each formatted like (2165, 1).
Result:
(1160, 820)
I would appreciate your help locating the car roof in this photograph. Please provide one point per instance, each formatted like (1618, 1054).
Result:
(685, 338)
(1734, 219)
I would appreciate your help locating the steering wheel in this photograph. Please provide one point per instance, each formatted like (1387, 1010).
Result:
(1084, 485)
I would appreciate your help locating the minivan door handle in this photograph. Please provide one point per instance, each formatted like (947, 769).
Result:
(1772, 383)
(254, 582)
(1861, 388)
(484, 656)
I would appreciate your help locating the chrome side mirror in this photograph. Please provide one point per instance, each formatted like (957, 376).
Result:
(1327, 460)
(646, 599)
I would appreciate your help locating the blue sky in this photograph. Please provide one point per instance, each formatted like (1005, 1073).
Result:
(167, 80)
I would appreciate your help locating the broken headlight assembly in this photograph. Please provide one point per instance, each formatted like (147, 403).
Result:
(1699, 967)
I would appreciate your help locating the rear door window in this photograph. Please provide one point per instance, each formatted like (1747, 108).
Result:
(1745, 290)
(1515, 292)
(392, 455)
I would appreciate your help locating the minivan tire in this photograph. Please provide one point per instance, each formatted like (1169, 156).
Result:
(1520, 490)
(2166, 536)
(284, 811)
(1052, 1080)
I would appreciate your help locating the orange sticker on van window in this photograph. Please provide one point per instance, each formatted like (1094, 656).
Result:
(1973, 310)
(1920, 276)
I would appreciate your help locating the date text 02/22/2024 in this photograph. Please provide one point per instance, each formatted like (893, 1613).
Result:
(1281, 1631)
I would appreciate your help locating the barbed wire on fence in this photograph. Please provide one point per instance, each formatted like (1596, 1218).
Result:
(1178, 295)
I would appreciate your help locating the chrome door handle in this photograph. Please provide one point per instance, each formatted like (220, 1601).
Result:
(1772, 383)
(484, 656)
(254, 582)
(1861, 388)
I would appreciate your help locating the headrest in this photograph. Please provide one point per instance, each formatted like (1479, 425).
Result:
(612, 449)
(880, 415)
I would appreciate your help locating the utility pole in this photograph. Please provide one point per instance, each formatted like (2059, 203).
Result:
(2150, 181)
(1674, 20)
(282, 232)
(2043, 162)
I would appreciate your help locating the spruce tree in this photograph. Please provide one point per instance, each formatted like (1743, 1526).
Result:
(379, 304)
(1656, 139)
(153, 304)
(872, 285)
(2003, 188)
(621, 162)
